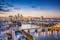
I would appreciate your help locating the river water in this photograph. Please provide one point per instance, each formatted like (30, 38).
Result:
(47, 35)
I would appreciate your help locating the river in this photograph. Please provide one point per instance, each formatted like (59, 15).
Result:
(47, 35)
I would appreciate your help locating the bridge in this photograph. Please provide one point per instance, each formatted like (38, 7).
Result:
(54, 27)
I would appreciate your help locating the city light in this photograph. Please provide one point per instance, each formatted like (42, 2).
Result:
(29, 20)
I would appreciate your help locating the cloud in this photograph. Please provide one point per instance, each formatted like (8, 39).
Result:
(4, 6)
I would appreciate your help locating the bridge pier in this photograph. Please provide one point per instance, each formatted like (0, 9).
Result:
(28, 31)
(36, 31)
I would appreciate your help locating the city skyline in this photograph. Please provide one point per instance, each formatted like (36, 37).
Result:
(34, 8)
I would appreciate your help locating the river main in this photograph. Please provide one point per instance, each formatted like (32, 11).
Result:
(41, 35)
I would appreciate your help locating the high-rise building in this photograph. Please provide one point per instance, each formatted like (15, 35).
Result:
(11, 18)
(41, 18)
(21, 17)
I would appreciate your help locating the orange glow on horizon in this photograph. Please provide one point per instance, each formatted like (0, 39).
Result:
(25, 16)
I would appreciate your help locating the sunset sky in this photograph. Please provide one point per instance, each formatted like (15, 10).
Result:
(35, 8)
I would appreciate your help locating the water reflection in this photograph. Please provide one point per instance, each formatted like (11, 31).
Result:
(25, 26)
(45, 35)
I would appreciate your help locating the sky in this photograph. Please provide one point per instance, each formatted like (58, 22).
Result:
(35, 8)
